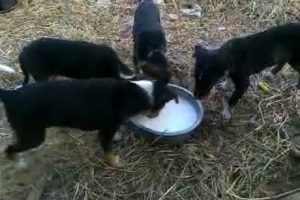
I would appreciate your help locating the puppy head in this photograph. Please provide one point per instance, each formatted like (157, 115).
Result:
(208, 70)
(158, 93)
(156, 66)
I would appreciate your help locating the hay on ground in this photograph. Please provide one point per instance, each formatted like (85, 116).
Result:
(219, 162)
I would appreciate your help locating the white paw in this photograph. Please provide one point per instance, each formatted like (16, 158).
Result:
(22, 163)
(223, 86)
(226, 115)
(117, 137)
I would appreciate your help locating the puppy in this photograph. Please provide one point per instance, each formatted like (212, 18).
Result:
(150, 42)
(94, 104)
(244, 56)
(46, 58)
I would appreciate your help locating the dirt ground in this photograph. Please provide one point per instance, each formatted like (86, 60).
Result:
(253, 157)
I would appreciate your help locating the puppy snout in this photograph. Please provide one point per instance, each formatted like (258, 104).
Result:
(152, 114)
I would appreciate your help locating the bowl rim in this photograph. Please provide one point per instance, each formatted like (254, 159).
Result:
(176, 133)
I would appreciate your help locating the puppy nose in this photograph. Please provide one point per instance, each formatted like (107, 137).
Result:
(152, 114)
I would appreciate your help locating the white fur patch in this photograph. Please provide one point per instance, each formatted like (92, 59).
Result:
(117, 137)
(7, 69)
(226, 85)
(22, 163)
(147, 86)
(226, 113)
(223, 86)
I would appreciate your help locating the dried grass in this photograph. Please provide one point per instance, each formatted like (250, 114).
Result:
(220, 162)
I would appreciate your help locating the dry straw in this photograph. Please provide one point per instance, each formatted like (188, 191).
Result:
(220, 162)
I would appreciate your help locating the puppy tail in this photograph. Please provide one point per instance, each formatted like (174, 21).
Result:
(7, 69)
(125, 72)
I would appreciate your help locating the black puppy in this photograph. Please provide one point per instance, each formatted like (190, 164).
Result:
(150, 42)
(46, 58)
(241, 57)
(94, 104)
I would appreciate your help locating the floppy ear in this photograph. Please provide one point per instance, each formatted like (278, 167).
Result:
(199, 50)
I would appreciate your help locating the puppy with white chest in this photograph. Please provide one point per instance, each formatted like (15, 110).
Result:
(94, 104)
(150, 42)
(244, 56)
(47, 58)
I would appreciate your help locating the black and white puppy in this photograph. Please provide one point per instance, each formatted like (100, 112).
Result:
(150, 42)
(244, 56)
(94, 104)
(47, 58)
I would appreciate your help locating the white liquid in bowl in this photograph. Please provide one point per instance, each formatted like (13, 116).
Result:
(172, 118)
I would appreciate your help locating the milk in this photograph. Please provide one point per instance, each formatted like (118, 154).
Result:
(172, 118)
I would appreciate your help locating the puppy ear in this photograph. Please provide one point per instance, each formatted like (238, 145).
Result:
(199, 50)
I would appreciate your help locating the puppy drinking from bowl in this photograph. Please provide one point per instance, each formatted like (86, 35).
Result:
(94, 104)
(150, 42)
(244, 56)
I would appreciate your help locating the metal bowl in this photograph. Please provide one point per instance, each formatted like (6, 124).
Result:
(178, 136)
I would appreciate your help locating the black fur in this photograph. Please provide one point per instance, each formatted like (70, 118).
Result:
(150, 42)
(94, 104)
(47, 57)
(7, 5)
(248, 55)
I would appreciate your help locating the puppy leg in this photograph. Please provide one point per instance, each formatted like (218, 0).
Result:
(224, 86)
(117, 137)
(135, 62)
(226, 113)
(25, 140)
(241, 85)
(106, 139)
(196, 86)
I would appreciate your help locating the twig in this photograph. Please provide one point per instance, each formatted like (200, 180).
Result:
(267, 198)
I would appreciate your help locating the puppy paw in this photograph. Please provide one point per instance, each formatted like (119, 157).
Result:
(112, 160)
(117, 137)
(223, 86)
(226, 115)
(22, 163)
